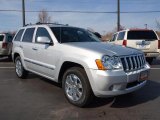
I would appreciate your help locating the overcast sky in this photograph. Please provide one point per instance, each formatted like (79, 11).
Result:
(100, 22)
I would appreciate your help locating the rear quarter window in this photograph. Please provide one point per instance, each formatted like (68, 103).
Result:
(19, 35)
(121, 36)
(113, 38)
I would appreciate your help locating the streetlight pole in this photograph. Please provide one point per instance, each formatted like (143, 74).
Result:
(118, 15)
(23, 12)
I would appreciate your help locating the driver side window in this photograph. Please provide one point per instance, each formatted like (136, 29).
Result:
(42, 32)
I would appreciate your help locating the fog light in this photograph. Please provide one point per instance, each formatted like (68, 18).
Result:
(117, 87)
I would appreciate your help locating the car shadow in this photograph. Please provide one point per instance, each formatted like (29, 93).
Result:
(34, 76)
(146, 94)
(5, 59)
(155, 62)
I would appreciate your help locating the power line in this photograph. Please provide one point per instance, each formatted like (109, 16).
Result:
(89, 12)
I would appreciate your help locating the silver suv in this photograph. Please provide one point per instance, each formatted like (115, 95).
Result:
(5, 44)
(78, 60)
(142, 39)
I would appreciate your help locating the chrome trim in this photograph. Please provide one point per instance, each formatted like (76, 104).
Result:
(39, 64)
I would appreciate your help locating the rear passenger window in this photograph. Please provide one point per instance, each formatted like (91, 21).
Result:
(121, 36)
(1, 37)
(19, 35)
(28, 35)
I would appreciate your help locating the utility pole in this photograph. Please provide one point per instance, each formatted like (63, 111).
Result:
(23, 12)
(118, 15)
(146, 26)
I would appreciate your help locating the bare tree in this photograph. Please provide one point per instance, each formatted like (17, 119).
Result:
(43, 17)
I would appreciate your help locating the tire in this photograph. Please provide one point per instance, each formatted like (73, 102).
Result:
(76, 87)
(149, 60)
(19, 69)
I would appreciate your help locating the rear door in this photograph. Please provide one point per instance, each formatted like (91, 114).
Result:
(27, 48)
(145, 40)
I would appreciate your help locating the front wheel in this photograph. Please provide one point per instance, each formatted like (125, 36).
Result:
(76, 87)
(20, 71)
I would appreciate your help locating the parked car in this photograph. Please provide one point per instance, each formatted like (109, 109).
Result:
(142, 39)
(5, 44)
(75, 58)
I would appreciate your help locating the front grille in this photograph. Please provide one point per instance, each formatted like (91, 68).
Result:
(133, 62)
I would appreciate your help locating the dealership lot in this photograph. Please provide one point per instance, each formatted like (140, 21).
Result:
(37, 98)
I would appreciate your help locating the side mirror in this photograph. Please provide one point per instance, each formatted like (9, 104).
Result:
(44, 40)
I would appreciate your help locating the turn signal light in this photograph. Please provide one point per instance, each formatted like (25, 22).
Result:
(100, 65)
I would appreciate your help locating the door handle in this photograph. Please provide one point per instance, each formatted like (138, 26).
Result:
(34, 49)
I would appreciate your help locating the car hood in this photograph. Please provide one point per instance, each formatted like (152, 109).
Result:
(104, 48)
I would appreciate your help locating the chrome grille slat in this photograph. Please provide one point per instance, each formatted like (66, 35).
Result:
(133, 62)
(127, 68)
(138, 62)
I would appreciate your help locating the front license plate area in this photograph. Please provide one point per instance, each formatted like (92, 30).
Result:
(143, 76)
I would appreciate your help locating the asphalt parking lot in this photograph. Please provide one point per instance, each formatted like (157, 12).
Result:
(37, 98)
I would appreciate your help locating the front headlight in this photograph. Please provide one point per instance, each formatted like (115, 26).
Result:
(109, 63)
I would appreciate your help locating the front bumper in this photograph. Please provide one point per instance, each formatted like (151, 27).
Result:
(115, 82)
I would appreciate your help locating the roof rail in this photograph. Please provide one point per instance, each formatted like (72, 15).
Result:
(39, 23)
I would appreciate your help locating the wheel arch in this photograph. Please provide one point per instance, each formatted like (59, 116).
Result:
(66, 65)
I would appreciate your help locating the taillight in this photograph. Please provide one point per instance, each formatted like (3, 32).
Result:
(158, 44)
(4, 45)
(124, 43)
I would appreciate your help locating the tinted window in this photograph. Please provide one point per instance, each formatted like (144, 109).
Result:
(19, 35)
(10, 38)
(113, 38)
(69, 34)
(1, 37)
(56, 31)
(28, 35)
(42, 32)
(121, 36)
(147, 35)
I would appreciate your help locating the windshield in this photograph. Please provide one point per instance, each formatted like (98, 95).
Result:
(71, 34)
(138, 35)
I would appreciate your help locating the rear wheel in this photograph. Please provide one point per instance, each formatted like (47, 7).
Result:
(20, 71)
(76, 87)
